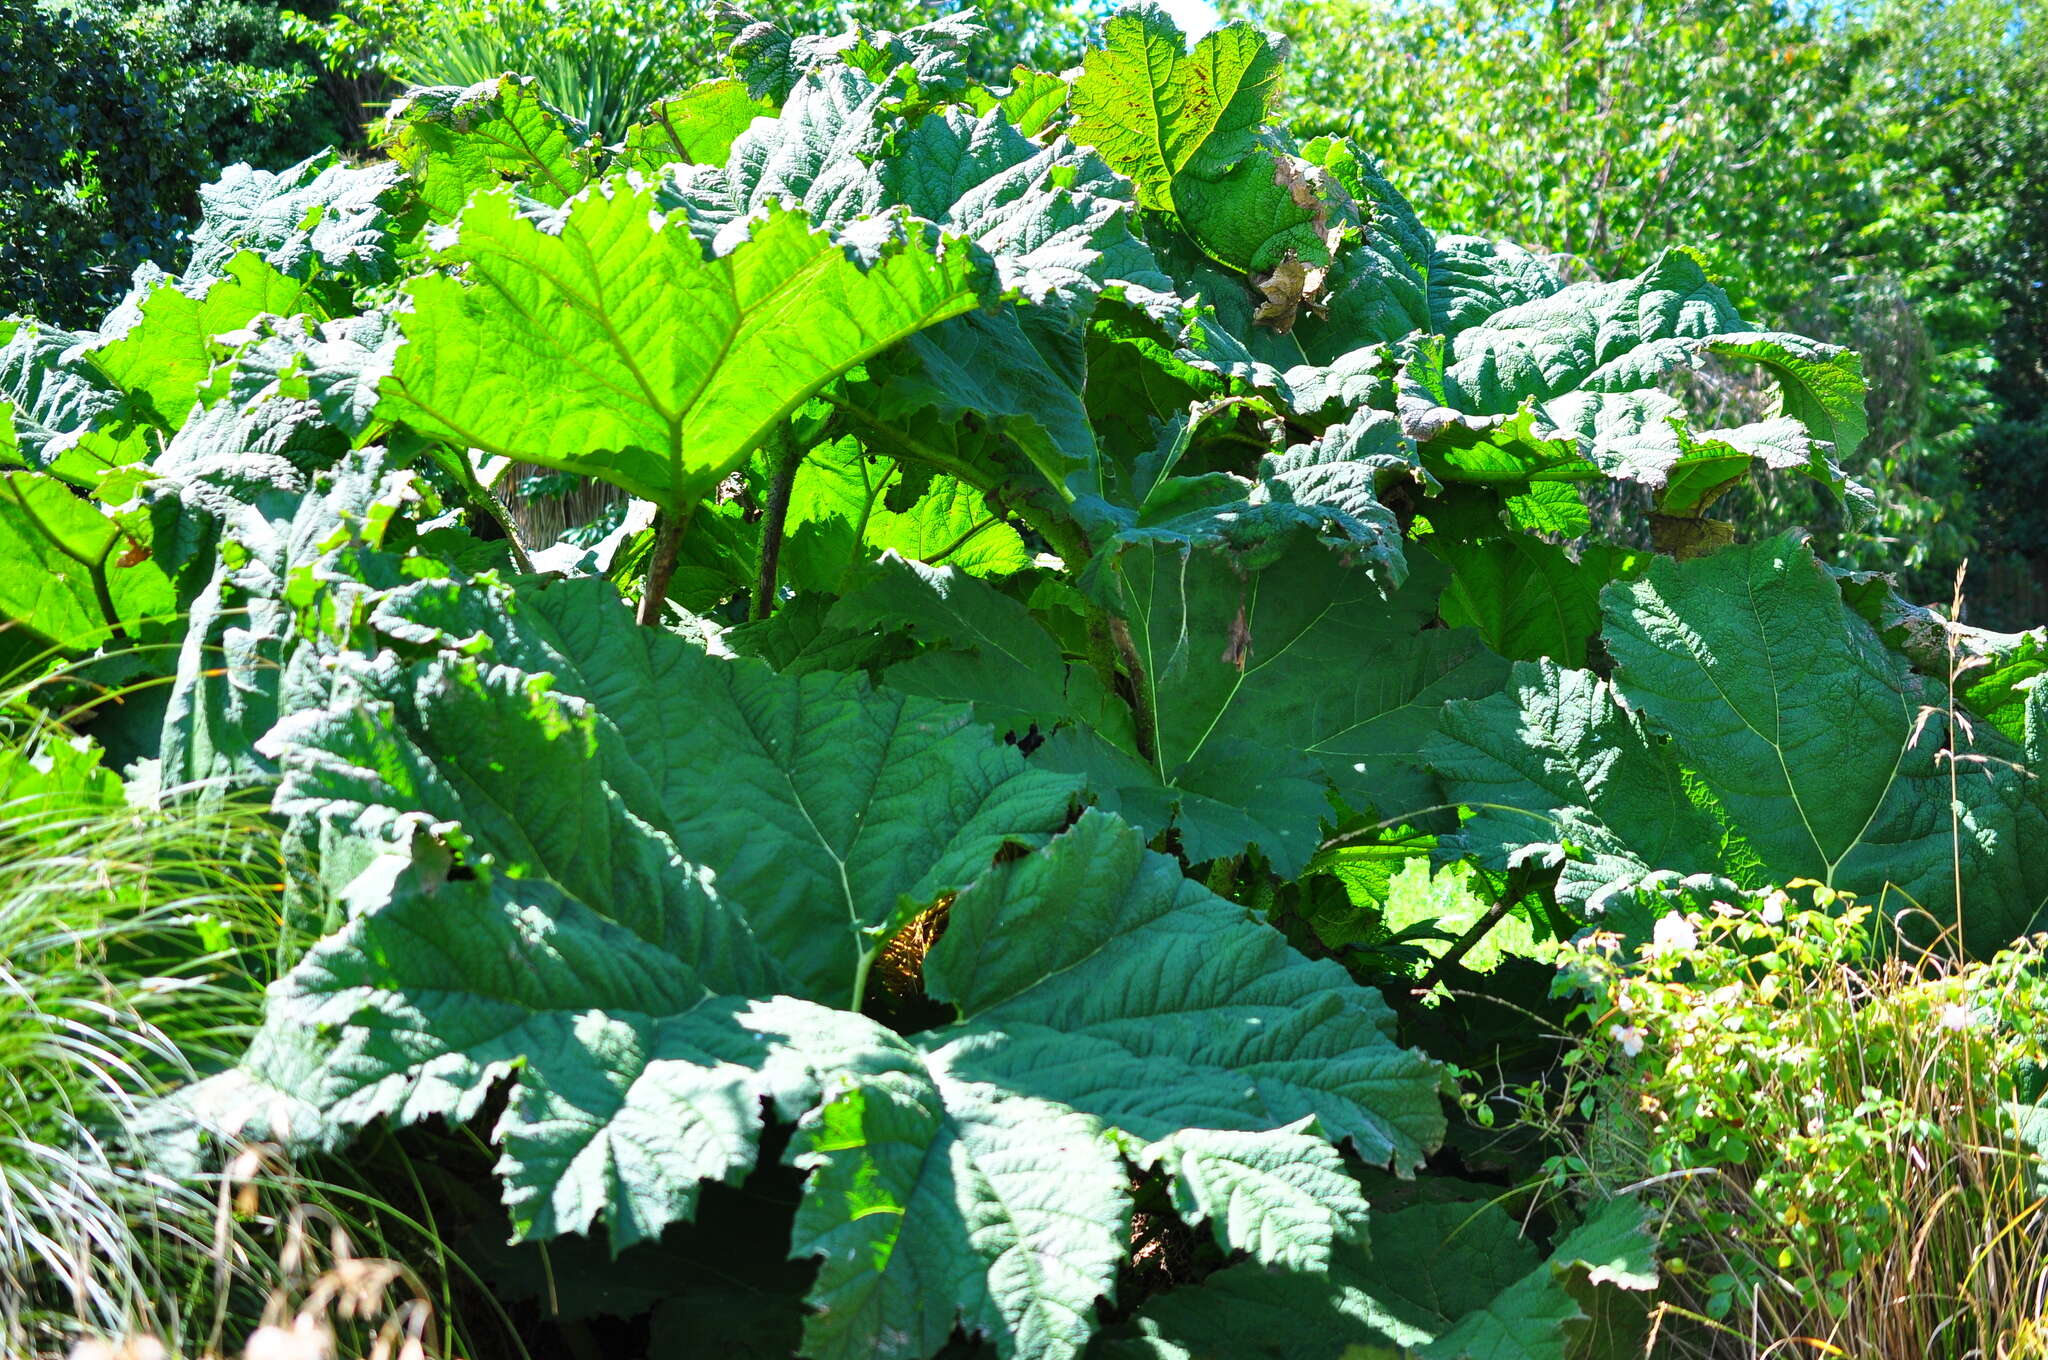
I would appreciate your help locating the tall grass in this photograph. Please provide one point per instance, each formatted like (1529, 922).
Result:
(135, 945)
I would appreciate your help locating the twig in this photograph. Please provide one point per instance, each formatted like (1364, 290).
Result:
(493, 508)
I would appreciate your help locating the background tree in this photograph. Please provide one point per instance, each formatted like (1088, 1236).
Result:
(113, 113)
(1863, 173)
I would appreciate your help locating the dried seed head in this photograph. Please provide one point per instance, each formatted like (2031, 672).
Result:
(308, 1338)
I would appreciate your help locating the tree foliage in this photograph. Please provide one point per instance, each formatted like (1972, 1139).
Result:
(115, 115)
(1858, 173)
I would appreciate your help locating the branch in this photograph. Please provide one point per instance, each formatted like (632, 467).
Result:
(488, 501)
(103, 594)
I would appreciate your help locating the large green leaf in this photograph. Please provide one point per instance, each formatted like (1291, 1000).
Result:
(1541, 1315)
(931, 58)
(56, 395)
(667, 367)
(1991, 673)
(270, 530)
(1527, 598)
(803, 794)
(1269, 689)
(1306, 660)
(454, 142)
(68, 573)
(841, 518)
(1446, 1280)
(1555, 761)
(1044, 957)
(1769, 734)
(1054, 219)
(978, 646)
(321, 217)
(847, 504)
(1154, 109)
(577, 766)
(1348, 467)
(1032, 102)
(1283, 1198)
(332, 366)
(935, 1198)
(1329, 487)
(1565, 385)
(697, 126)
(1836, 760)
(160, 345)
(1184, 125)
(1772, 691)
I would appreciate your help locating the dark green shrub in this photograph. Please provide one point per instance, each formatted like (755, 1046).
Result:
(115, 113)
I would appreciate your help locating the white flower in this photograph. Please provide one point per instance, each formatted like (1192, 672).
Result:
(1955, 1016)
(1674, 935)
(1628, 1036)
(1774, 907)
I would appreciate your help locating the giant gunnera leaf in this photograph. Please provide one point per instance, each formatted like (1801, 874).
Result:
(1053, 219)
(1565, 386)
(1185, 126)
(674, 869)
(1757, 728)
(322, 218)
(69, 576)
(1305, 275)
(1265, 689)
(455, 142)
(1447, 1279)
(665, 366)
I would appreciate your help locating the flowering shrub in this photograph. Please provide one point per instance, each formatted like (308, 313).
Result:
(1837, 1128)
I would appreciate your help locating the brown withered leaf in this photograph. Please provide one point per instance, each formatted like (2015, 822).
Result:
(1302, 183)
(1684, 537)
(1285, 291)
(1237, 649)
